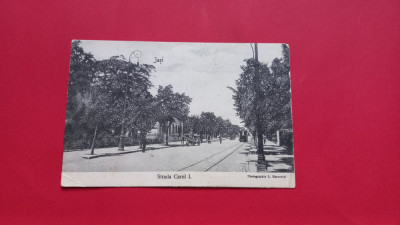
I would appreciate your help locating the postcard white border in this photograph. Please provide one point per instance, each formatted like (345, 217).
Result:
(178, 179)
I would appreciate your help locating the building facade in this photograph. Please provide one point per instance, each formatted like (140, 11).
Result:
(160, 131)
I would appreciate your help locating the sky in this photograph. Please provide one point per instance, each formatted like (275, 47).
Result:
(200, 70)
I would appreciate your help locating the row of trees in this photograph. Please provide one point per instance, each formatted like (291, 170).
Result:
(111, 97)
(262, 96)
(208, 124)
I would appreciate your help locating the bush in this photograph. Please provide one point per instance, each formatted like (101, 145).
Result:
(286, 139)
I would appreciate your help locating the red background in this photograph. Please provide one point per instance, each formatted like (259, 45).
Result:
(345, 84)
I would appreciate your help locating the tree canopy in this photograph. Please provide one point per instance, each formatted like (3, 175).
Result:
(171, 105)
(262, 94)
(103, 95)
(208, 124)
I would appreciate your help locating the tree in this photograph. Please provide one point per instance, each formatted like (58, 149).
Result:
(210, 125)
(120, 88)
(80, 77)
(106, 96)
(262, 98)
(192, 124)
(220, 126)
(143, 120)
(98, 113)
(207, 120)
(277, 101)
(252, 82)
(172, 105)
(79, 86)
(233, 131)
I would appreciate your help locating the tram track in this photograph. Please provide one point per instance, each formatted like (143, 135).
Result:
(237, 145)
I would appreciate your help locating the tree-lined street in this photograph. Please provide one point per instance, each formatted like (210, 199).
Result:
(110, 99)
(186, 158)
(111, 107)
(231, 155)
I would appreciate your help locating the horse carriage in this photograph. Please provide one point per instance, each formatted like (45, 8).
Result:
(192, 140)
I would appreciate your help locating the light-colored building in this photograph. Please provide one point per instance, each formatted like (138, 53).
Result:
(159, 132)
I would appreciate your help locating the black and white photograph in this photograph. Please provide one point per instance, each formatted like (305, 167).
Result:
(178, 114)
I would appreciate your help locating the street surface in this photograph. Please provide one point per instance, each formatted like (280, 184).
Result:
(206, 157)
(230, 156)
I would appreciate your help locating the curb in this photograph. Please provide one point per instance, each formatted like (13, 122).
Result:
(123, 152)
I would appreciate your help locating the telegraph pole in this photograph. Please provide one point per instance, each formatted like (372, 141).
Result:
(136, 54)
(121, 136)
(261, 164)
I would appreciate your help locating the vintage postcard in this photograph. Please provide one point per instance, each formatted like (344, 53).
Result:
(175, 114)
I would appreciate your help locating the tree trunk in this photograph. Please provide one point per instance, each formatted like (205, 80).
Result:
(167, 134)
(260, 148)
(143, 140)
(255, 138)
(94, 138)
(261, 163)
(140, 140)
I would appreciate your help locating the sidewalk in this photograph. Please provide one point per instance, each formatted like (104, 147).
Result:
(276, 157)
(111, 151)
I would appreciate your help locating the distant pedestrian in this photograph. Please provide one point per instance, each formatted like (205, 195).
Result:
(220, 139)
(183, 141)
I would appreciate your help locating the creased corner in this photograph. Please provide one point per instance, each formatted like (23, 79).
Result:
(68, 181)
